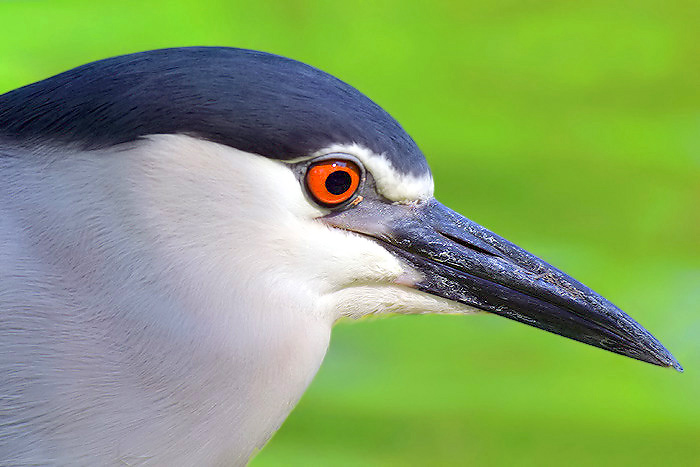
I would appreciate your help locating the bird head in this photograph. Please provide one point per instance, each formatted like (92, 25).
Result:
(283, 184)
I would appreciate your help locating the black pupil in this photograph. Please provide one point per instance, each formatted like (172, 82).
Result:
(338, 182)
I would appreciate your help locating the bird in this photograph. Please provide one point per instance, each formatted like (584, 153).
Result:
(181, 228)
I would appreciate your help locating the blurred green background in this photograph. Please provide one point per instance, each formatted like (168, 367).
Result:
(572, 128)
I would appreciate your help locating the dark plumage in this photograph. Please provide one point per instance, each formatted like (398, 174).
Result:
(253, 101)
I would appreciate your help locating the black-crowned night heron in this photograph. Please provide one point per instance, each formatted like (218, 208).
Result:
(180, 229)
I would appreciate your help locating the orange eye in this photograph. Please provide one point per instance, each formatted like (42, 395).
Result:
(333, 181)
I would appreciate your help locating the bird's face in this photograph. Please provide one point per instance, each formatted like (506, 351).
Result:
(274, 224)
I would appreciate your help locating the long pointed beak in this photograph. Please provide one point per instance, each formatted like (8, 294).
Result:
(462, 261)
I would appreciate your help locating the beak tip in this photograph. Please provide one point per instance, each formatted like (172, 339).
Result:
(669, 361)
(666, 358)
(677, 366)
(661, 356)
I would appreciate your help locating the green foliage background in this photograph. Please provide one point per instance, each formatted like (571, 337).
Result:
(571, 128)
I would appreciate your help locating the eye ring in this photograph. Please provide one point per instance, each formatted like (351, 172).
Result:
(333, 181)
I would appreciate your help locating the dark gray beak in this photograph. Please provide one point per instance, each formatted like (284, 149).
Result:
(462, 261)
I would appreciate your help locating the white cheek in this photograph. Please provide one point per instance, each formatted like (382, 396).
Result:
(266, 230)
(341, 258)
